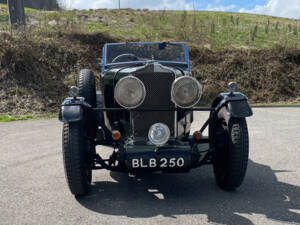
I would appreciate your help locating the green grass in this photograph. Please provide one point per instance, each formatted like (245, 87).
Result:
(189, 26)
(48, 116)
(57, 15)
(3, 5)
(10, 118)
(3, 18)
(26, 9)
(278, 104)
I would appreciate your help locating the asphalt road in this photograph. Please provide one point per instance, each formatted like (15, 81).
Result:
(33, 188)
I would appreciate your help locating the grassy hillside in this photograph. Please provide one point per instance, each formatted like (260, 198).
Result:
(210, 29)
(37, 66)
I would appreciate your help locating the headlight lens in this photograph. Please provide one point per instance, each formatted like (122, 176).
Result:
(159, 134)
(186, 92)
(130, 92)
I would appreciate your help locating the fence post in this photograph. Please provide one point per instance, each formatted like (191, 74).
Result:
(237, 21)
(16, 13)
(277, 25)
(267, 28)
(212, 27)
(224, 22)
(231, 19)
(289, 28)
(253, 33)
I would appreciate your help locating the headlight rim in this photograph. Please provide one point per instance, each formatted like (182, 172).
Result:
(166, 138)
(143, 87)
(199, 94)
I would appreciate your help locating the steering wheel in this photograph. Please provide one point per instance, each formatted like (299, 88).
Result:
(125, 57)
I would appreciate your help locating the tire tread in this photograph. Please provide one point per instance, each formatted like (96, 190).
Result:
(87, 87)
(73, 157)
(238, 153)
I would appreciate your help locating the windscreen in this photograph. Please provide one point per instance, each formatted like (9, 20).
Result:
(129, 52)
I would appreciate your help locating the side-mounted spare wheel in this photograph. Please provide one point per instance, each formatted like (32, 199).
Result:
(87, 87)
(231, 142)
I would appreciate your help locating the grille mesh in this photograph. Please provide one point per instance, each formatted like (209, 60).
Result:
(158, 95)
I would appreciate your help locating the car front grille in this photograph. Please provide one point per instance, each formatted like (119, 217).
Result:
(158, 96)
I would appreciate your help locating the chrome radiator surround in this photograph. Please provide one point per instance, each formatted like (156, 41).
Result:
(158, 81)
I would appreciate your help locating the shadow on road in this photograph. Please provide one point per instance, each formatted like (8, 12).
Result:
(196, 193)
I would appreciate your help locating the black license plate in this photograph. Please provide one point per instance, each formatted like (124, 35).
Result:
(163, 163)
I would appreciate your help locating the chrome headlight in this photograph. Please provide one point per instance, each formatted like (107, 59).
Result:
(130, 92)
(74, 91)
(159, 134)
(232, 87)
(186, 92)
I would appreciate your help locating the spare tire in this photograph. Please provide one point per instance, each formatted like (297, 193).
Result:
(87, 86)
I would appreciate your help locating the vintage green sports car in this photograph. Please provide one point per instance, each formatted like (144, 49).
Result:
(144, 113)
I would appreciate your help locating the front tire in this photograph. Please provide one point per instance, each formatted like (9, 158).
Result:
(231, 144)
(76, 159)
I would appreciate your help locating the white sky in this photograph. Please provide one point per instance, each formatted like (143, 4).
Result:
(282, 8)
(149, 4)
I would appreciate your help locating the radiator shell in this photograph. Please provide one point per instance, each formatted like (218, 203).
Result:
(158, 81)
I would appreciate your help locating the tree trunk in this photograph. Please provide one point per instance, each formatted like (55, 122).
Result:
(16, 12)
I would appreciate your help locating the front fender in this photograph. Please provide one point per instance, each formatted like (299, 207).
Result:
(239, 109)
(71, 113)
(72, 110)
(234, 105)
(76, 109)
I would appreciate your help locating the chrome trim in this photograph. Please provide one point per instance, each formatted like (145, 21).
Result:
(199, 94)
(175, 125)
(166, 128)
(176, 112)
(143, 87)
(74, 91)
(174, 71)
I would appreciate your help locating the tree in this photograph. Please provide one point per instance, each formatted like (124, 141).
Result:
(39, 4)
(16, 12)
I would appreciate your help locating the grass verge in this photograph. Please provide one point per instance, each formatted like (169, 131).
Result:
(277, 104)
(10, 118)
(48, 116)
